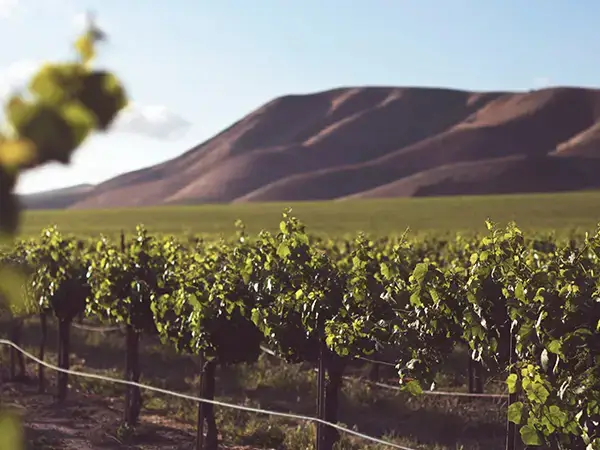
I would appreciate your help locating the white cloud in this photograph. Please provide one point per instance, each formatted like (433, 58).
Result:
(15, 77)
(8, 8)
(154, 121)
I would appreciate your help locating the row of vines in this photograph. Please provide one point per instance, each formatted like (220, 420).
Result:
(528, 308)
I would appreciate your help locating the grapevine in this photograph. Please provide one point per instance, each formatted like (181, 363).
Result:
(527, 308)
(64, 104)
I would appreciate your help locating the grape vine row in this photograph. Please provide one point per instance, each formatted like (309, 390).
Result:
(526, 307)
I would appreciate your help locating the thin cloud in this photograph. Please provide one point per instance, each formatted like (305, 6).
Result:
(154, 121)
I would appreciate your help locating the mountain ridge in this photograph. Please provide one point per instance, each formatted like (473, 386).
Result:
(364, 142)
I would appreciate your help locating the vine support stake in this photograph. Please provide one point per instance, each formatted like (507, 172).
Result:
(44, 336)
(511, 428)
(200, 422)
(64, 326)
(471, 374)
(321, 395)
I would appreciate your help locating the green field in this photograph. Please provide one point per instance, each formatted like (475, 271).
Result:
(541, 212)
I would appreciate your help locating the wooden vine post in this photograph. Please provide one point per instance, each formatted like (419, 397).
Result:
(200, 420)
(321, 382)
(42, 351)
(511, 427)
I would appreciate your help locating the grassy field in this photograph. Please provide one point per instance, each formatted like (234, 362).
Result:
(542, 212)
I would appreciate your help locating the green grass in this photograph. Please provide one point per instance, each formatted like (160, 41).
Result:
(541, 212)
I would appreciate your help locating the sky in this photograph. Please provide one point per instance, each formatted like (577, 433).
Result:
(193, 67)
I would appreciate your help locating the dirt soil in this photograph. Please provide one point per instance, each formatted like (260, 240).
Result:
(87, 421)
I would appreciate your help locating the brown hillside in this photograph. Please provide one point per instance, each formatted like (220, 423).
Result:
(349, 141)
(508, 175)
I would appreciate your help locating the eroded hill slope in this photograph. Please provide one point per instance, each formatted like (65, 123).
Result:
(379, 141)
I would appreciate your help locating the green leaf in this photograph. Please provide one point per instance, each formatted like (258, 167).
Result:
(283, 251)
(557, 417)
(530, 436)
(515, 412)
(413, 387)
(415, 299)
(512, 383)
(536, 392)
(385, 270)
(420, 272)
(519, 291)
(256, 317)
(555, 347)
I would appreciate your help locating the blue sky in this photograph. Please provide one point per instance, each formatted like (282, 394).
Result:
(192, 67)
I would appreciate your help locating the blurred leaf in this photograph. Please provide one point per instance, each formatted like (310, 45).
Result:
(11, 432)
(16, 110)
(80, 119)
(9, 205)
(57, 83)
(47, 127)
(104, 96)
(85, 46)
(12, 282)
(17, 153)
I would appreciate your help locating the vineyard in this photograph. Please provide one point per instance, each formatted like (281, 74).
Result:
(528, 309)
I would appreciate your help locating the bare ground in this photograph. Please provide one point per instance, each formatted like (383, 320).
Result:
(89, 421)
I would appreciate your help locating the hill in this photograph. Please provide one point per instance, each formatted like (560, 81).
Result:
(56, 198)
(380, 142)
